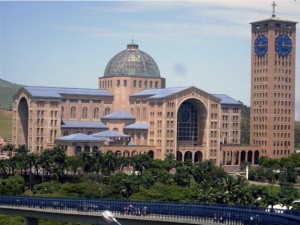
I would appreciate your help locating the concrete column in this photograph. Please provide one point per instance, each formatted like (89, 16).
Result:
(31, 221)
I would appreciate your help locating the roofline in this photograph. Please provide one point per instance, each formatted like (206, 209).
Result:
(80, 141)
(274, 19)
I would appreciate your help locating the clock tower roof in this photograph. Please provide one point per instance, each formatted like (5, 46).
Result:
(274, 19)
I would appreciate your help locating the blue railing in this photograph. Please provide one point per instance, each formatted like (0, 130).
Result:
(221, 213)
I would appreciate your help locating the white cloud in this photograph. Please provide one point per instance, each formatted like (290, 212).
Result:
(186, 19)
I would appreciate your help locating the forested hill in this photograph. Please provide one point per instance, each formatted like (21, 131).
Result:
(7, 91)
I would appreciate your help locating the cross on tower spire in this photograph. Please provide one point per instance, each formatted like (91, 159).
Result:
(274, 5)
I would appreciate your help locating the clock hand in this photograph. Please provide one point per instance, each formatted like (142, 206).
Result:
(284, 45)
(261, 45)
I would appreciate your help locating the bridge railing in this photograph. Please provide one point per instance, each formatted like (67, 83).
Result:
(225, 213)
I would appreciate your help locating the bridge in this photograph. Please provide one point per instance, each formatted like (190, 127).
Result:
(140, 212)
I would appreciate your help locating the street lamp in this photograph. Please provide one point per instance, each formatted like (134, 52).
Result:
(258, 200)
(109, 217)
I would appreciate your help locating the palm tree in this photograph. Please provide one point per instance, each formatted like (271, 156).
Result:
(87, 162)
(141, 162)
(30, 160)
(271, 196)
(45, 162)
(59, 162)
(170, 162)
(74, 162)
(21, 154)
(110, 162)
(9, 148)
(3, 167)
(98, 159)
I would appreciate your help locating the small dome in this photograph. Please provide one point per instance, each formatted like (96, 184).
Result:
(132, 62)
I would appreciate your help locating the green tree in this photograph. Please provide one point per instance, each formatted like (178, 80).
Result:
(110, 162)
(288, 194)
(98, 161)
(141, 162)
(183, 175)
(9, 148)
(47, 188)
(21, 154)
(270, 196)
(13, 185)
(3, 164)
(46, 162)
(124, 185)
(87, 162)
(59, 164)
(73, 163)
(30, 160)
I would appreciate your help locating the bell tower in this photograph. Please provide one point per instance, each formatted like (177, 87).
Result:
(273, 50)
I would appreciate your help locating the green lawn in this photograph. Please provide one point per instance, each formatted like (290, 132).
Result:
(5, 124)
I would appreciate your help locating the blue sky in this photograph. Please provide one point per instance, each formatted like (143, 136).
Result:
(206, 44)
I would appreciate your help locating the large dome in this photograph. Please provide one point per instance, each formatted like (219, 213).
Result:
(132, 62)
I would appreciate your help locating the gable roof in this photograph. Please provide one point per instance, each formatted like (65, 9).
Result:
(58, 92)
(83, 124)
(227, 100)
(79, 137)
(137, 126)
(109, 134)
(160, 93)
(119, 115)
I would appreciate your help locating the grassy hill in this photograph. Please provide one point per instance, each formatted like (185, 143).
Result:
(5, 124)
(7, 91)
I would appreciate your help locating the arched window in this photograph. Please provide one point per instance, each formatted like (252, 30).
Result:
(95, 149)
(87, 149)
(77, 150)
(84, 112)
(107, 111)
(145, 84)
(187, 122)
(73, 112)
(145, 135)
(140, 83)
(144, 113)
(132, 111)
(96, 113)
(138, 113)
(156, 84)
(151, 83)
(134, 83)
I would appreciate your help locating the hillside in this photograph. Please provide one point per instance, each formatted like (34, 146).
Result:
(7, 91)
(5, 124)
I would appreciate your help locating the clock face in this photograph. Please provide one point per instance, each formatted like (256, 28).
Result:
(283, 45)
(261, 45)
(184, 115)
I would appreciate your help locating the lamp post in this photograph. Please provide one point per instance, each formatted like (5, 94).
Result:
(109, 217)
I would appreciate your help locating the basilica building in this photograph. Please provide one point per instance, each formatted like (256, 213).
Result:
(131, 112)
